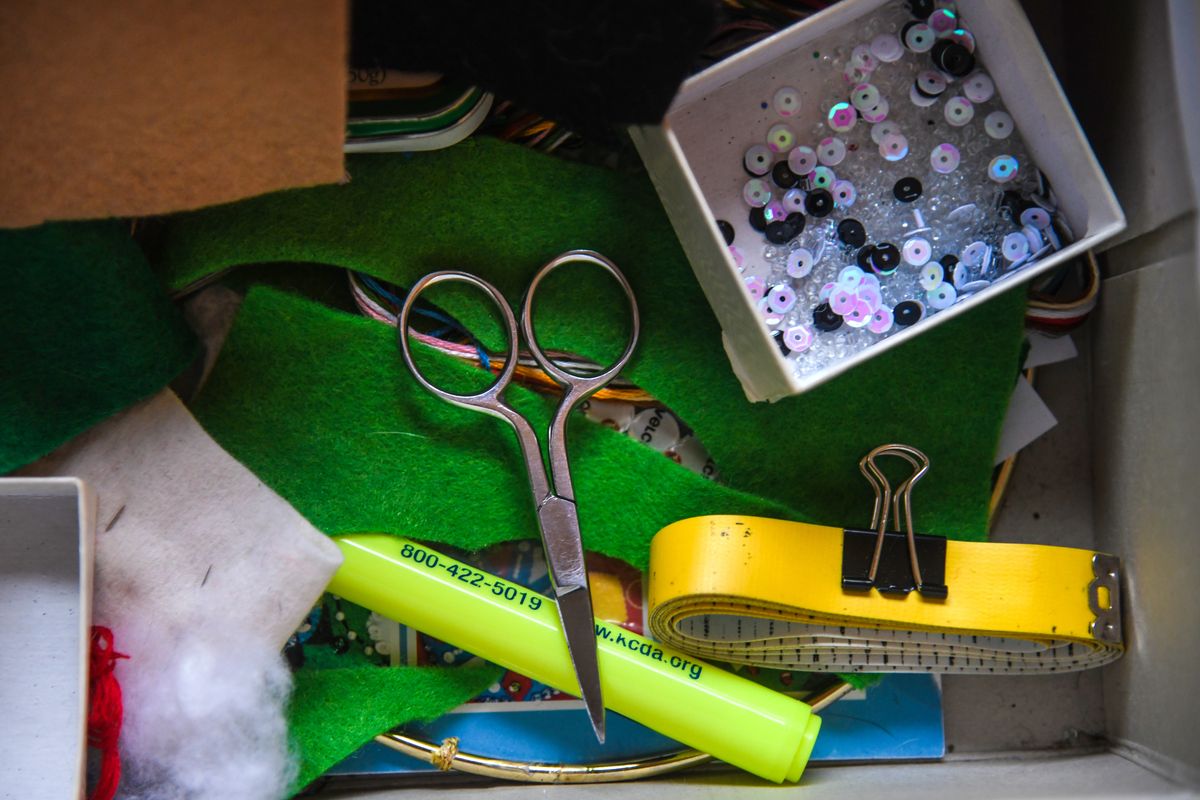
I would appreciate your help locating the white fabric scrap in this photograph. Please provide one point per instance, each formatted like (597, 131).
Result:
(202, 573)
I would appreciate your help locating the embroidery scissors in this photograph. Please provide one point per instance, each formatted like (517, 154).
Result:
(553, 494)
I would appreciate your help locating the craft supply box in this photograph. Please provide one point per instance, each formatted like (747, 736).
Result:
(703, 128)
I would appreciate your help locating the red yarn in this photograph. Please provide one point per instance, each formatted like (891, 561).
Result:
(105, 711)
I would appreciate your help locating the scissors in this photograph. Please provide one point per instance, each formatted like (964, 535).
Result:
(553, 495)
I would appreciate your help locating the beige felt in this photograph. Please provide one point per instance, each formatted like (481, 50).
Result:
(138, 107)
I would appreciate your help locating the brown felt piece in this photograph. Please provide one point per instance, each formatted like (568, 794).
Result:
(140, 107)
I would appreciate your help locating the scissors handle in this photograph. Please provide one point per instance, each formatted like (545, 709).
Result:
(576, 384)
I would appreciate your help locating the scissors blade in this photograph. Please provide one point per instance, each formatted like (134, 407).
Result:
(579, 625)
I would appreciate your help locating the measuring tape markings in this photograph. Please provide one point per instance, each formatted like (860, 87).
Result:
(767, 592)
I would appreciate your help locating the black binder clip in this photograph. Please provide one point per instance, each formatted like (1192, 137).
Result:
(875, 558)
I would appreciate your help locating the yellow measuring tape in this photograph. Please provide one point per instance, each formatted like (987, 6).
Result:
(790, 595)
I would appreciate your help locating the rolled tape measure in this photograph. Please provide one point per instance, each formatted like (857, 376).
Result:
(790, 595)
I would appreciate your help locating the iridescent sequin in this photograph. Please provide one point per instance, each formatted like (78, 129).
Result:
(878, 113)
(919, 37)
(943, 20)
(882, 129)
(831, 151)
(798, 338)
(932, 276)
(864, 96)
(793, 201)
(998, 124)
(893, 147)
(959, 111)
(800, 263)
(802, 160)
(844, 193)
(978, 87)
(781, 138)
(781, 299)
(941, 297)
(757, 160)
(842, 117)
(881, 321)
(917, 251)
(887, 48)
(822, 178)
(1002, 169)
(787, 101)
(944, 158)
(756, 192)
(1014, 247)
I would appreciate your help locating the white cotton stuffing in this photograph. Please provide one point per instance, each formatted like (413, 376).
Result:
(204, 718)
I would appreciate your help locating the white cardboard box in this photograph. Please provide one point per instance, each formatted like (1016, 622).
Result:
(697, 132)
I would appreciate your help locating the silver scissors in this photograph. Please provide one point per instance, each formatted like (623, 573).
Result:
(553, 496)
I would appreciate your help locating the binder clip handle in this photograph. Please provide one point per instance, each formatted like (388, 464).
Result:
(895, 578)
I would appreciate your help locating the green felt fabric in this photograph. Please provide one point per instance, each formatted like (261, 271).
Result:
(85, 330)
(319, 405)
(500, 211)
(333, 712)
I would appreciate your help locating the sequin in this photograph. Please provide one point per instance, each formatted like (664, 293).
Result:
(882, 129)
(831, 151)
(859, 314)
(756, 192)
(793, 201)
(942, 296)
(1002, 169)
(849, 278)
(758, 160)
(826, 319)
(783, 177)
(1014, 247)
(959, 275)
(800, 263)
(868, 281)
(961, 37)
(781, 298)
(798, 338)
(959, 111)
(861, 57)
(842, 117)
(826, 291)
(771, 317)
(918, 99)
(844, 194)
(756, 287)
(865, 96)
(932, 276)
(774, 211)
(819, 202)
(970, 287)
(881, 320)
(944, 158)
(781, 138)
(885, 258)
(919, 37)
(930, 83)
(786, 101)
(1036, 242)
(974, 254)
(802, 160)
(887, 48)
(822, 178)
(998, 124)
(908, 312)
(893, 147)
(878, 113)
(917, 251)
(852, 74)
(907, 189)
(943, 20)
(978, 87)
(841, 301)
(870, 295)
(1036, 216)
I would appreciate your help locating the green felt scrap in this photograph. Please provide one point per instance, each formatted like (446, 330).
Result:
(85, 330)
(318, 404)
(500, 211)
(333, 712)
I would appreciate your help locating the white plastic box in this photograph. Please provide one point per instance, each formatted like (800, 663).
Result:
(700, 130)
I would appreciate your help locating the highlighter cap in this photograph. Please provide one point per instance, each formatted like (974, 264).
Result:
(804, 748)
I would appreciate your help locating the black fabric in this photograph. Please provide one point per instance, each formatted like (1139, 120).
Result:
(584, 63)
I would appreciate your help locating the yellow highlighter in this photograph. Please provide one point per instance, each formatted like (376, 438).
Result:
(733, 719)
